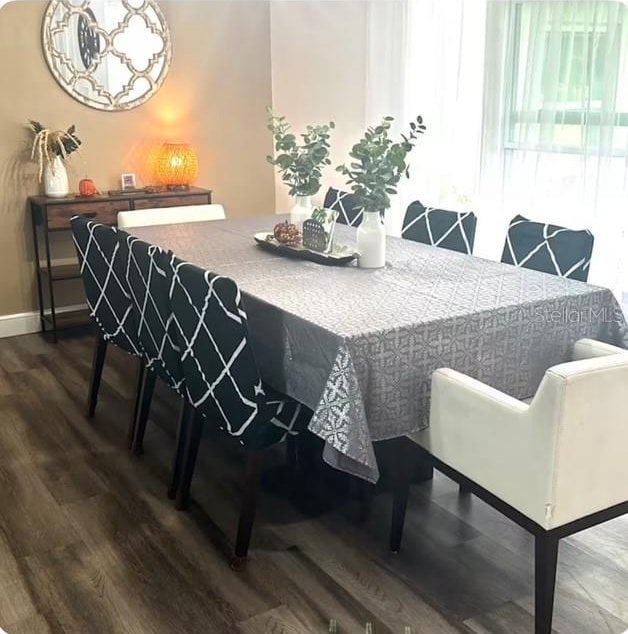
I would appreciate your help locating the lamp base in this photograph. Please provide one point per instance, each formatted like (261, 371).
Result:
(177, 188)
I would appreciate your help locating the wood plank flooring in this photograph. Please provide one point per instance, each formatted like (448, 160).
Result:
(89, 542)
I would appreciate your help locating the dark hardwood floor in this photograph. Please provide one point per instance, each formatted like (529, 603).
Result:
(90, 543)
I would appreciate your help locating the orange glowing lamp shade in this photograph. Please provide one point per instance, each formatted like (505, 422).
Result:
(176, 165)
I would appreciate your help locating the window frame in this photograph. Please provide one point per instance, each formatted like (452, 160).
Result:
(564, 116)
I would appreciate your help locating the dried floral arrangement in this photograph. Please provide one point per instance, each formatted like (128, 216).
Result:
(49, 144)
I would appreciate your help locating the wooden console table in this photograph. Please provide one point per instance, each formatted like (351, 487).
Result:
(54, 214)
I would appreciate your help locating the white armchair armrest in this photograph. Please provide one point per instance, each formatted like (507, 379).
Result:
(589, 348)
(472, 392)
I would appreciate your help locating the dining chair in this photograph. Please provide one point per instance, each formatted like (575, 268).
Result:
(440, 228)
(170, 215)
(533, 460)
(548, 248)
(346, 204)
(222, 381)
(103, 257)
(149, 296)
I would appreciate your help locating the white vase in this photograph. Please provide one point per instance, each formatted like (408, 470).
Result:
(302, 210)
(371, 241)
(56, 179)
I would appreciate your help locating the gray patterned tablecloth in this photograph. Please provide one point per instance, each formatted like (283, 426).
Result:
(359, 346)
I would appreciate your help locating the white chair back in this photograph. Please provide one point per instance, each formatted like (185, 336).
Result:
(583, 404)
(170, 215)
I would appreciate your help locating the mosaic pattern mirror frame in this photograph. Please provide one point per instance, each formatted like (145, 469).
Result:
(107, 54)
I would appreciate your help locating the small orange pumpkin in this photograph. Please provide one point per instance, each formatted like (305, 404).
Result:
(87, 188)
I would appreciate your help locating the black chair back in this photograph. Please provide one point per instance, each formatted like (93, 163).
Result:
(346, 204)
(548, 248)
(103, 257)
(148, 286)
(440, 228)
(222, 378)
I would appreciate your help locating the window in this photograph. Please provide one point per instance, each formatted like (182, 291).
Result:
(568, 84)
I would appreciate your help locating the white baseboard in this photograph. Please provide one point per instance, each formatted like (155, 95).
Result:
(28, 323)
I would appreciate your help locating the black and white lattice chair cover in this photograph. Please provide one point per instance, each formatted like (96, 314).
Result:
(222, 379)
(148, 286)
(440, 228)
(548, 248)
(346, 204)
(102, 257)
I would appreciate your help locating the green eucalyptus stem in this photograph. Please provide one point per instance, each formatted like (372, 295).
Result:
(300, 165)
(378, 164)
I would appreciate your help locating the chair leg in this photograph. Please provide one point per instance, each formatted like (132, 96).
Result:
(292, 453)
(248, 507)
(141, 369)
(100, 352)
(143, 410)
(182, 433)
(403, 469)
(192, 442)
(463, 489)
(546, 558)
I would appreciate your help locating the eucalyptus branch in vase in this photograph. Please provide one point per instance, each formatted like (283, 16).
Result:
(378, 164)
(300, 164)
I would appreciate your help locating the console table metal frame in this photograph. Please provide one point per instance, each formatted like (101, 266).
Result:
(50, 215)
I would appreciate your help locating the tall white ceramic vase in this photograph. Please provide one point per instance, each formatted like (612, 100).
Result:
(56, 183)
(302, 210)
(371, 241)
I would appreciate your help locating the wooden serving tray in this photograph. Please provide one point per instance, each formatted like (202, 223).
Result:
(338, 257)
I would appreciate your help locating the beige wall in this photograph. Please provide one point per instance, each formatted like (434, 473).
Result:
(319, 73)
(214, 97)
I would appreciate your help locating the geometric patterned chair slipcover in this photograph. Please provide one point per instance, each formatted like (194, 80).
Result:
(440, 228)
(221, 376)
(548, 248)
(103, 261)
(102, 256)
(346, 204)
(148, 287)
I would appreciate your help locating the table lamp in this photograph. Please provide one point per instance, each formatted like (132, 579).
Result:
(176, 166)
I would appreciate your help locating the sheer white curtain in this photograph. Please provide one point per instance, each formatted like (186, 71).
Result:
(526, 106)
(387, 63)
(427, 57)
(556, 143)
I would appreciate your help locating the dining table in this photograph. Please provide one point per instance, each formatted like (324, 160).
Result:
(359, 346)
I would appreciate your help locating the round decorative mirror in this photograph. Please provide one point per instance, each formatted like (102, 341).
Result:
(108, 54)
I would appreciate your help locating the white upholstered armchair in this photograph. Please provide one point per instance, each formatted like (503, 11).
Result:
(555, 464)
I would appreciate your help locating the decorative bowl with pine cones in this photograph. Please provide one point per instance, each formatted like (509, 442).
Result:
(287, 233)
